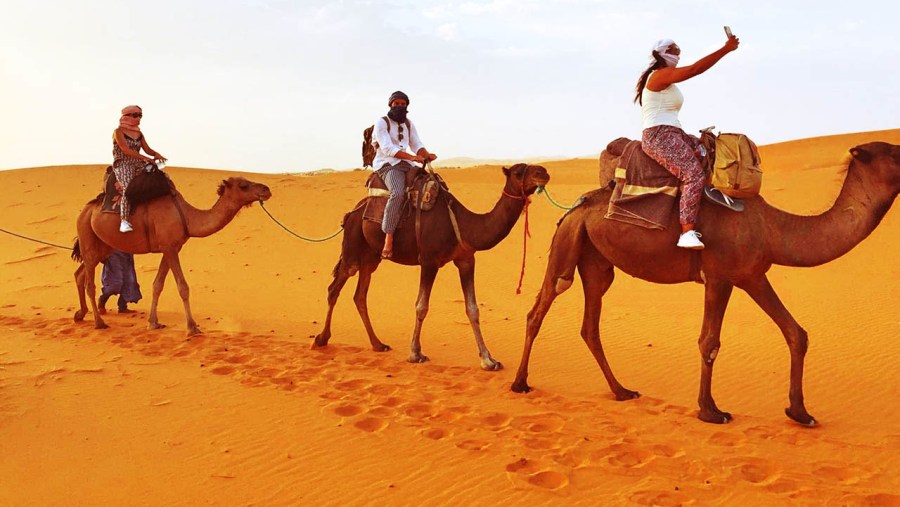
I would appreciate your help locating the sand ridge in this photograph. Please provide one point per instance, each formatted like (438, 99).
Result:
(248, 413)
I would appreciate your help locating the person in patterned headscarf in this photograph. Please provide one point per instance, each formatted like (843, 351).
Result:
(127, 159)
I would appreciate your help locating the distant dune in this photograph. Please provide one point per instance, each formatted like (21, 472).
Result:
(246, 413)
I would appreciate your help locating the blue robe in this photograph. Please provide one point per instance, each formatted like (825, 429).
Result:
(118, 277)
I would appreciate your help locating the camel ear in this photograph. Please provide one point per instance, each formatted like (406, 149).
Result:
(861, 155)
(506, 171)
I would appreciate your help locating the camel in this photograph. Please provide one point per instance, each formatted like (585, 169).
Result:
(363, 241)
(162, 225)
(740, 249)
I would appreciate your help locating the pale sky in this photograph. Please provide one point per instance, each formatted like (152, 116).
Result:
(288, 86)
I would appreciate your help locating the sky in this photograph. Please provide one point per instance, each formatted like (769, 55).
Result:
(288, 86)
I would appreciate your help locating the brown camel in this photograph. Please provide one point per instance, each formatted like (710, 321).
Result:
(162, 225)
(740, 248)
(363, 241)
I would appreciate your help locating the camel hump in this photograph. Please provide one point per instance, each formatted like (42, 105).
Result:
(617, 147)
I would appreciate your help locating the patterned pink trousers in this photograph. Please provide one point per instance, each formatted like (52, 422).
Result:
(674, 149)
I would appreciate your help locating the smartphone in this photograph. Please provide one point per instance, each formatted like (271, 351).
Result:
(728, 31)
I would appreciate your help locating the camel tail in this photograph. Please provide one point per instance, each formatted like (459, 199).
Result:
(334, 272)
(76, 252)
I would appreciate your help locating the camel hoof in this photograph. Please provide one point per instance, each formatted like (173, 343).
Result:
(193, 331)
(520, 387)
(626, 395)
(320, 341)
(491, 365)
(155, 325)
(803, 418)
(79, 315)
(417, 358)
(100, 325)
(381, 347)
(715, 417)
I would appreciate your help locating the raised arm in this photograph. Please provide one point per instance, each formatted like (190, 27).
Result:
(666, 76)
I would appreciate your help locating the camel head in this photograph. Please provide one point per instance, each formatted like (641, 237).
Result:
(524, 179)
(243, 191)
(880, 161)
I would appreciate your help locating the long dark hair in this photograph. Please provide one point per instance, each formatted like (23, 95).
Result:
(642, 82)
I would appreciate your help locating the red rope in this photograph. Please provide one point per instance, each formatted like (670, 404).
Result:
(524, 246)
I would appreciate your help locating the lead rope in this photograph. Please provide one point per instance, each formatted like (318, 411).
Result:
(525, 237)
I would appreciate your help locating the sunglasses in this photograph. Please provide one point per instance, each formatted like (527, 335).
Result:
(135, 115)
(400, 133)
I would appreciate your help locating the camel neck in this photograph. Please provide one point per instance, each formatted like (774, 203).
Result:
(203, 223)
(805, 241)
(484, 231)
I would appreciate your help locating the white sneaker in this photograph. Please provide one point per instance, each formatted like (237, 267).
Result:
(691, 240)
(125, 226)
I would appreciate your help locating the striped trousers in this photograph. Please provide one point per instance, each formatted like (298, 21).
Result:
(395, 179)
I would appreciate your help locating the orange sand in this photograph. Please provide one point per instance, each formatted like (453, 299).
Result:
(248, 414)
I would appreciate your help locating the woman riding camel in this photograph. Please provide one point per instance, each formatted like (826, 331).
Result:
(127, 159)
(663, 138)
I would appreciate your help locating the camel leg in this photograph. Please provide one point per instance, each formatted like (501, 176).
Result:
(565, 251)
(715, 302)
(596, 277)
(79, 286)
(362, 305)
(92, 294)
(183, 290)
(158, 283)
(466, 269)
(341, 274)
(426, 281)
(797, 340)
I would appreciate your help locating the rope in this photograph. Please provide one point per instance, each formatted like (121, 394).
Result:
(524, 247)
(558, 205)
(312, 240)
(35, 240)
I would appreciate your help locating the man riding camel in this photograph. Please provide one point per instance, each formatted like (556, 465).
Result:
(394, 136)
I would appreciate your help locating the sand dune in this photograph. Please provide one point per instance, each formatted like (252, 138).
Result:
(246, 413)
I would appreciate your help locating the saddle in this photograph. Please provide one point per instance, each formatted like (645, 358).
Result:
(144, 187)
(421, 189)
(645, 193)
(109, 203)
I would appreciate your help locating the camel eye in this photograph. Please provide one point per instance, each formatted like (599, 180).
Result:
(244, 186)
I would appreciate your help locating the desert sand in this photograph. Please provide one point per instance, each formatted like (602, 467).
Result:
(248, 414)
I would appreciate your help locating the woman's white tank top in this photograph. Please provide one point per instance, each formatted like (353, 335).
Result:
(661, 108)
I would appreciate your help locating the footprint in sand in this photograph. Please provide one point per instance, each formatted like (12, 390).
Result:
(667, 451)
(371, 424)
(845, 474)
(757, 470)
(351, 385)
(661, 498)
(877, 499)
(435, 433)
(627, 455)
(495, 421)
(222, 370)
(418, 410)
(540, 423)
(347, 410)
(724, 439)
(473, 445)
(529, 472)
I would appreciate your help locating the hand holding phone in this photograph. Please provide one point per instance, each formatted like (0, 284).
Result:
(728, 32)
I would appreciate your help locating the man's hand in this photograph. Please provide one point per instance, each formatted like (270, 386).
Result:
(431, 156)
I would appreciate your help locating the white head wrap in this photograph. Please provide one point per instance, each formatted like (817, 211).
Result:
(660, 47)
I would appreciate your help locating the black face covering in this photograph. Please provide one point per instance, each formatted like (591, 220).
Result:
(398, 114)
